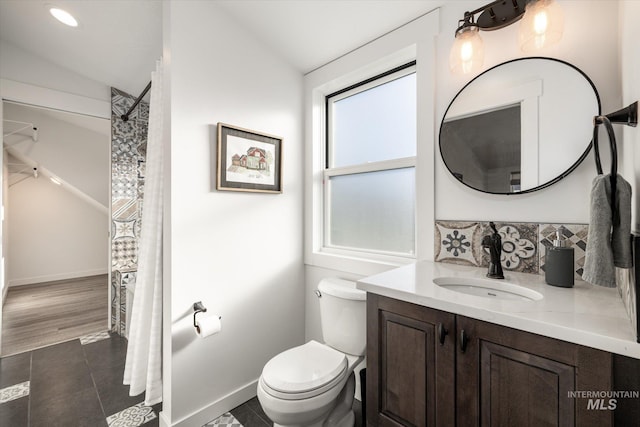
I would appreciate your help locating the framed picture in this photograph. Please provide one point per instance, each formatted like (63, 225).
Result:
(248, 160)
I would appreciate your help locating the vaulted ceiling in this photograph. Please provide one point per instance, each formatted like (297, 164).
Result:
(118, 41)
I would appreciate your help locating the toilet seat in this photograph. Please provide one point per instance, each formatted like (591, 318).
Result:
(304, 371)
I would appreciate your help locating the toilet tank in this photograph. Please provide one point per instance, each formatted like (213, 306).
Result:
(343, 315)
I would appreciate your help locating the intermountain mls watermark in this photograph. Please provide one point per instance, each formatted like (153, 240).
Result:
(603, 400)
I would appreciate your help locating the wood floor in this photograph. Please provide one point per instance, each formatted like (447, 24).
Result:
(39, 315)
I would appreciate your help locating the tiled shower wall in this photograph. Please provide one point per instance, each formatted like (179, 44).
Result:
(128, 154)
(524, 247)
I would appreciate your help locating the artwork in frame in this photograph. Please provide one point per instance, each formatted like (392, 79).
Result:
(248, 160)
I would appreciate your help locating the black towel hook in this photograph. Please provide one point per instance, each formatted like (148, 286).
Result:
(598, 120)
(627, 116)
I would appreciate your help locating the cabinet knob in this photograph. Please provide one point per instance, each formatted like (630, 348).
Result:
(442, 333)
(464, 340)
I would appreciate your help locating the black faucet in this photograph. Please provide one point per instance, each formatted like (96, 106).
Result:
(494, 243)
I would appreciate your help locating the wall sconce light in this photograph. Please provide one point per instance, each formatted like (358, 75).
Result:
(542, 25)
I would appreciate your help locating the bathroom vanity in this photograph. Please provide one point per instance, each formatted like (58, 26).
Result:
(447, 346)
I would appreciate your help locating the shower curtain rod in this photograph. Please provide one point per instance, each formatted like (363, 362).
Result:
(125, 116)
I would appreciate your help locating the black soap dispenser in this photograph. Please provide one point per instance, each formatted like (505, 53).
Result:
(558, 267)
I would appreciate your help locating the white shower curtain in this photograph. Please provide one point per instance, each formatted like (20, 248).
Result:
(143, 368)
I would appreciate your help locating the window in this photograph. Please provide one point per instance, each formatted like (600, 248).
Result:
(369, 179)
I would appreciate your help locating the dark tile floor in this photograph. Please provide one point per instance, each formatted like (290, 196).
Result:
(70, 384)
(250, 414)
(75, 385)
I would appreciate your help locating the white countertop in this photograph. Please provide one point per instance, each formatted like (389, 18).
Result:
(585, 314)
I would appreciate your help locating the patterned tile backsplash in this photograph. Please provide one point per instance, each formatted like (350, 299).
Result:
(459, 242)
(575, 236)
(524, 245)
(519, 248)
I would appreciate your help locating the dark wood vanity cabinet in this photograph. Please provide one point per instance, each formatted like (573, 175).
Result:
(477, 374)
(506, 377)
(410, 375)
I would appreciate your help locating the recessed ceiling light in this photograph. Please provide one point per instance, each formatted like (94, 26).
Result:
(63, 16)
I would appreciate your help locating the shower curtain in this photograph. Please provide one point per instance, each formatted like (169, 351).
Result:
(143, 368)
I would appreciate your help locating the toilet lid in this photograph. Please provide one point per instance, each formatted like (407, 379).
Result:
(304, 368)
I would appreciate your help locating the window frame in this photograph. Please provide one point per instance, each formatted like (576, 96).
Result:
(417, 40)
(378, 166)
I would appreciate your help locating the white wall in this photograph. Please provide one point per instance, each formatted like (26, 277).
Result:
(4, 229)
(630, 64)
(593, 49)
(53, 234)
(630, 163)
(240, 253)
(19, 65)
(29, 79)
(79, 155)
(165, 416)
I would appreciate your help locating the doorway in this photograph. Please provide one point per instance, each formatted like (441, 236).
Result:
(56, 197)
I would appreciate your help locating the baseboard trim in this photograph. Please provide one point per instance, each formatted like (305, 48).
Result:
(219, 407)
(163, 421)
(4, 294)
(55, 277)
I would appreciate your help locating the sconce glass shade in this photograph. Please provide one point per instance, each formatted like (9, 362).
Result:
(541, 26)
(467, 52)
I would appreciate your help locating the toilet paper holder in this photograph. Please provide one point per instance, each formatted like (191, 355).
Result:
(198, 307)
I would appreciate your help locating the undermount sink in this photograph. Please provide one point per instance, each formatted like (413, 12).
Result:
(488, 288)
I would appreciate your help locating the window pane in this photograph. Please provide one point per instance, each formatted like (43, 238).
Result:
(373, 211)
(376, 124)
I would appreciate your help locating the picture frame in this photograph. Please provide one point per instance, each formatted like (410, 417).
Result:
(248, 160)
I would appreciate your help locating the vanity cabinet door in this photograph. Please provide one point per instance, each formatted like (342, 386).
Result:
(410, 364)
(506, 377)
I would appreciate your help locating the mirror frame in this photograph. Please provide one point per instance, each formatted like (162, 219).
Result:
(550, 182)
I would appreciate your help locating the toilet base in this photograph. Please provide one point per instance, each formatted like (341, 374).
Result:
(342, 413)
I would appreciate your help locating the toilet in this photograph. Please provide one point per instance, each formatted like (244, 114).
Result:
(314, 384)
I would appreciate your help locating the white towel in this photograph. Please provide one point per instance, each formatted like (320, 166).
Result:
(609, 238)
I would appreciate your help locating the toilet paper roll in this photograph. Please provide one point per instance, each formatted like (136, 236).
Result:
(207, 324)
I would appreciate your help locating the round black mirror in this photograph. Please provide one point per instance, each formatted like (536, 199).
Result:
(519, 126)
